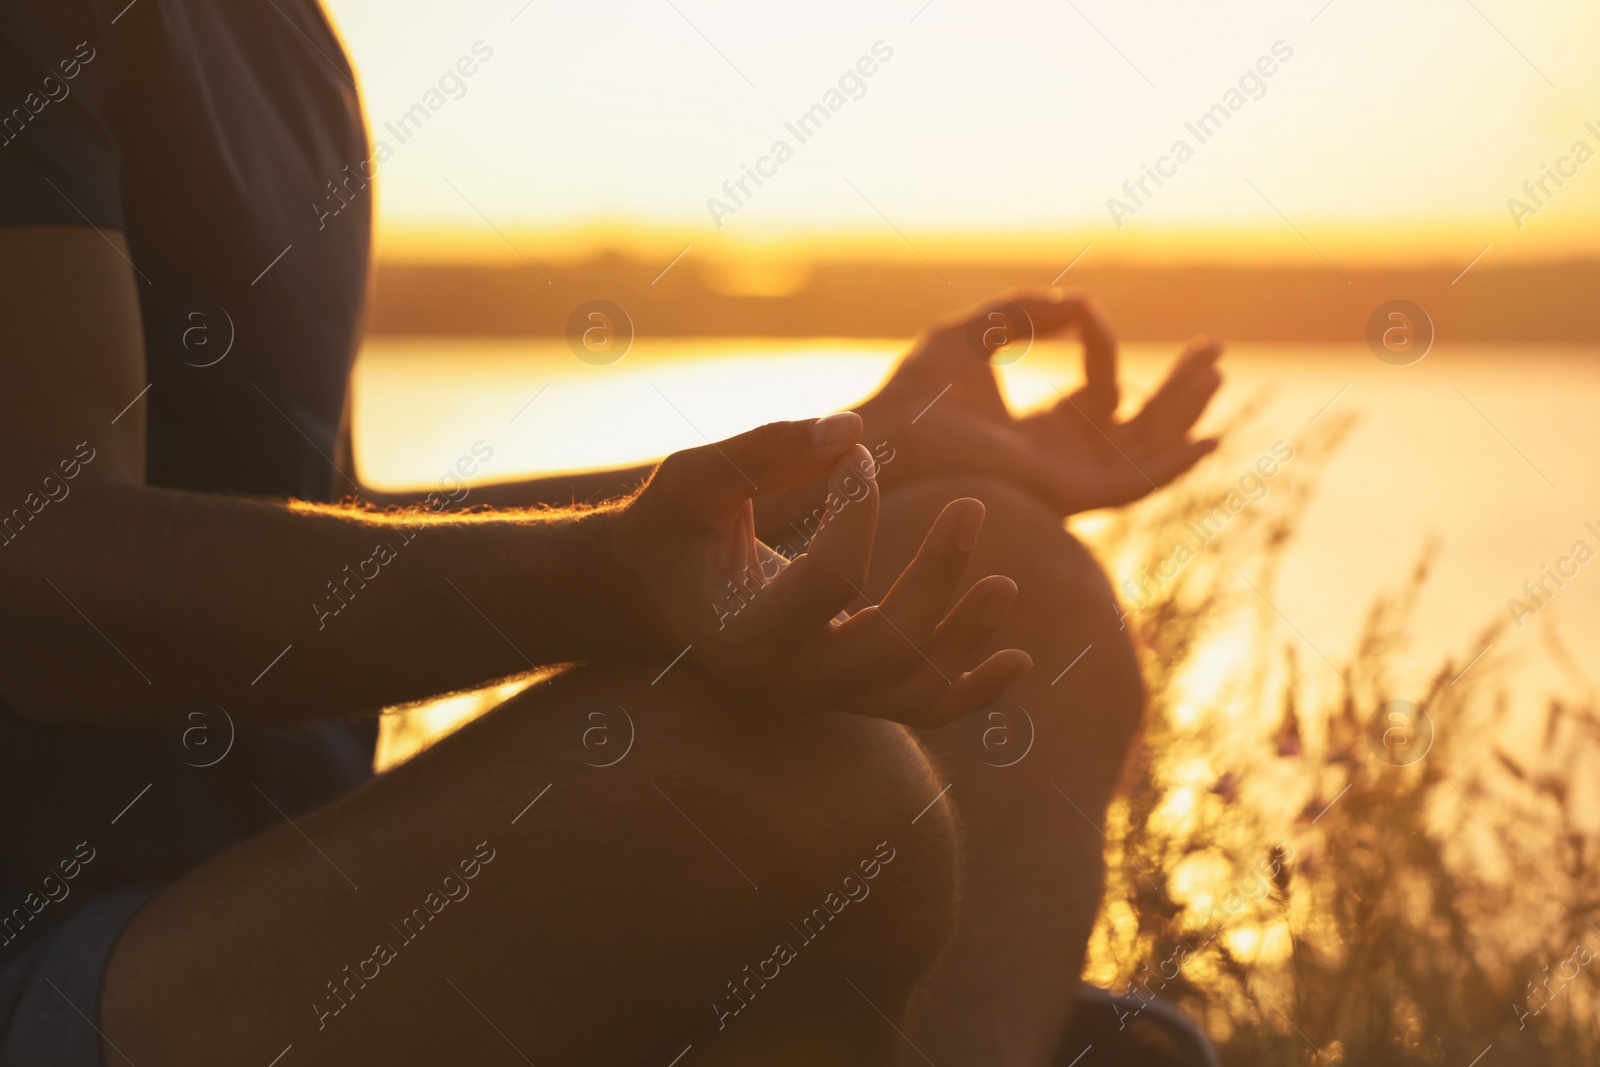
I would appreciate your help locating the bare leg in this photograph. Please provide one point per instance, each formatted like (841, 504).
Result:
(1032, 850)
(618, 908)
(608, 925)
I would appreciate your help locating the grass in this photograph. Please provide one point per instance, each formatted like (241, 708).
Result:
(1309, 902)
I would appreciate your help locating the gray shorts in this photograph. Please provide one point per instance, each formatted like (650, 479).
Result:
(50, 994)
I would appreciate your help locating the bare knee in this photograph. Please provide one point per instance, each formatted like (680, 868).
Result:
(1023, 538)
(1066, 614)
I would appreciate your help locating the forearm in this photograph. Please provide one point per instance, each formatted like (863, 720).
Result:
(128, 602)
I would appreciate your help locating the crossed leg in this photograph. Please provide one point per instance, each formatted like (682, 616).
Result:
(1031, 781)
(762, 890)
(608, 922)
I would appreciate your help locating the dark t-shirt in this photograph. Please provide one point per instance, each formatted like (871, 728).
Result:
(208, 133)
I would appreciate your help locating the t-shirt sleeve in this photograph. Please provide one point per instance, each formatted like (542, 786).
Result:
(58, 156)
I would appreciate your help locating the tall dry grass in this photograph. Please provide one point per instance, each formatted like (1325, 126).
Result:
(1307, 901)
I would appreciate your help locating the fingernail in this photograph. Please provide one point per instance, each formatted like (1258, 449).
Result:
(968, 523)
(835, 429)
(1024, 665)
(995, 606)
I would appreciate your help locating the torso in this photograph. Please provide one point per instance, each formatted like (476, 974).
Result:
(226, 122)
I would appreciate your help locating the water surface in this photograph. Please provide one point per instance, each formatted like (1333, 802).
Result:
(1490, 450)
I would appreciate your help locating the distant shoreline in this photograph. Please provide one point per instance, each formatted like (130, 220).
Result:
(1534, 303)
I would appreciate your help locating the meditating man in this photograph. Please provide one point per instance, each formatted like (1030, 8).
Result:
(804, 857)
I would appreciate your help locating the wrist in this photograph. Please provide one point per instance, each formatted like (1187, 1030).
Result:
(629, 616)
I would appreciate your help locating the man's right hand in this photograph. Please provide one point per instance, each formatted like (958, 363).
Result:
(777, 630)
(314, 611)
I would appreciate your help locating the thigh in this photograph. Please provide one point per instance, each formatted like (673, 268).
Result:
(507, 896)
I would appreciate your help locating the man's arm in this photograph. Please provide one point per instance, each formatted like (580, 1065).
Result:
(120, 602)
(123, 600)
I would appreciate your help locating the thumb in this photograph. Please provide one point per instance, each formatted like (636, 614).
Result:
(716, 479)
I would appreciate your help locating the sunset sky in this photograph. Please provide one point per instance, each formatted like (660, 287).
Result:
(1394, 132)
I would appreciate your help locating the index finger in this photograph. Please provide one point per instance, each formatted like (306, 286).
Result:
(824, 579)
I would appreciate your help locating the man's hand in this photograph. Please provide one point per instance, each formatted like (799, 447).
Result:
(1074, 455)
(776, 628)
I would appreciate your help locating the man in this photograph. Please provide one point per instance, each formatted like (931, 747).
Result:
(802, 859)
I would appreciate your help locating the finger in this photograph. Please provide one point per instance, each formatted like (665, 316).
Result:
(1201, 351)
(1125, 480)
(917, 600)
(1164, 466)
(1186, 409)
(856, 655)
(1175, 407)
(918, 703)
(830, 573)
(869, 654)
(980, 687)
(1047, 312)
(711, 482)
(971, 624)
